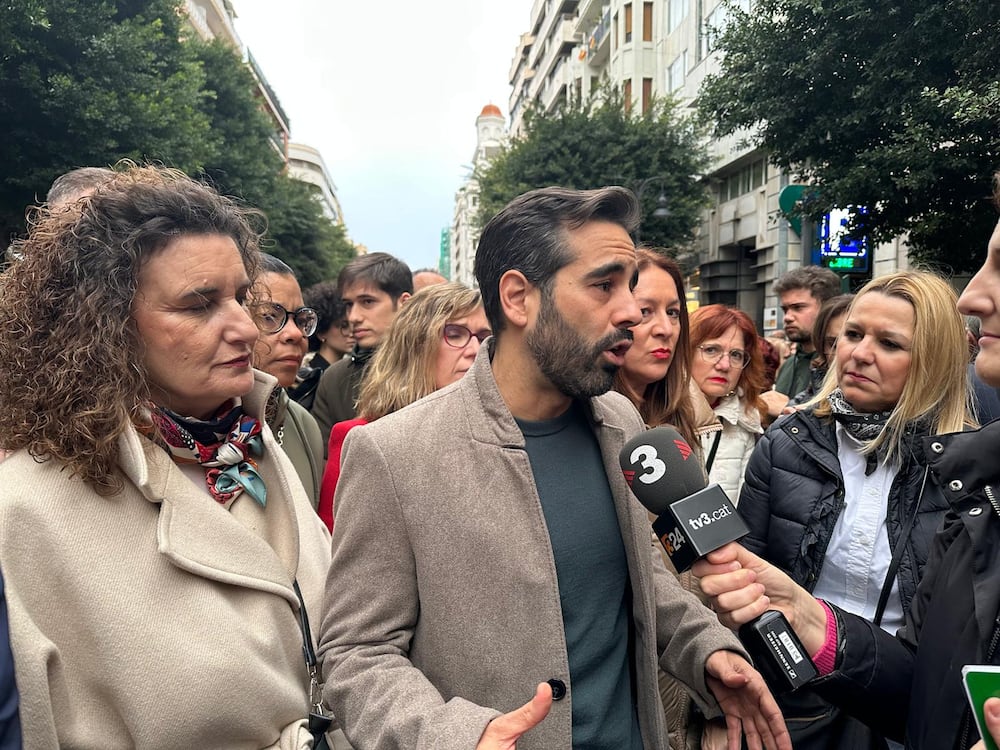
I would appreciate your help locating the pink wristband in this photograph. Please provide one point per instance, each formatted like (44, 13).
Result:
(826, 658)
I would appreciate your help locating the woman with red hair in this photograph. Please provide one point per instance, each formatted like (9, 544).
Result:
(728, 369)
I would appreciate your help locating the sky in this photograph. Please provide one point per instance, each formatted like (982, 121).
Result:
(389, 93)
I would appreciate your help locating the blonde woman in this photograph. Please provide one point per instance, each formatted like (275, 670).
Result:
(836, 494)
(431, 343)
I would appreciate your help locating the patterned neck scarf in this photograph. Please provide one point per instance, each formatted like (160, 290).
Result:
(225, 445)
(864, 427)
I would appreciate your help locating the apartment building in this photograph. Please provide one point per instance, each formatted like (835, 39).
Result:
(491, 131)
(306, 164)
(213, 19)
(667, 47)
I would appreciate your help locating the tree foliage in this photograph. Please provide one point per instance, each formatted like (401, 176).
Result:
(91, 82)
(600, 142)
(889, 106)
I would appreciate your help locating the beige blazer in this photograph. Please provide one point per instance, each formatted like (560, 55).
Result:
(156, 618)
(442, 604)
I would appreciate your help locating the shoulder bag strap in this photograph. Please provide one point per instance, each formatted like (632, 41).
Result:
(897, 555)
(319, 719)
(711, 453)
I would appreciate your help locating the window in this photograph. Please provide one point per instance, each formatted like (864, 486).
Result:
(647, 22)
(677, 11)
(627, 90)
(628, 23)
(614, 32)
(647, 94)
(712, 29)
(677, 72)
(739, 183)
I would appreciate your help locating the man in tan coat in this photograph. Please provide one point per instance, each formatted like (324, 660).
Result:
(486, 543)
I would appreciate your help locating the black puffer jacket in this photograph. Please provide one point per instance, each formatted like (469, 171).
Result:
(914, 680)
(794, 493)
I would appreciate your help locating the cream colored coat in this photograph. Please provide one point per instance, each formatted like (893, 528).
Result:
(157, 618)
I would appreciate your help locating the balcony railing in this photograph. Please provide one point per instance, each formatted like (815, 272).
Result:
(272, 97)
(599, 34)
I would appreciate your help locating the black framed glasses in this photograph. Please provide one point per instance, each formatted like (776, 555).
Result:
(458, 337)
(271, 317)
(712, 353)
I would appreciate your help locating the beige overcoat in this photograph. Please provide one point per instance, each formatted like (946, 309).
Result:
(442, 605)
(156, 618)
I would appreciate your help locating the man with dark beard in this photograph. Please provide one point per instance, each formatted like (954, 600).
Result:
(486, 543)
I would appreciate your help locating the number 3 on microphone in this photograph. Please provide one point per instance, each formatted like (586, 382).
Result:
(645, 456)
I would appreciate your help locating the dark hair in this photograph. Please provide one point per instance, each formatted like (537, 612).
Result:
(667, 401)
(386, 272)
(324, 298)
(272, 264)
(67, 187)
(529, 235)
(70, 352)
(830, 309)
(822, 283)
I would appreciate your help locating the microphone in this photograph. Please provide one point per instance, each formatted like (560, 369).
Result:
(693, 519)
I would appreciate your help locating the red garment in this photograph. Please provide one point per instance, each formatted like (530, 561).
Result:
(332, 473)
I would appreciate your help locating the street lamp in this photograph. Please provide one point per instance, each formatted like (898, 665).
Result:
(638, 187)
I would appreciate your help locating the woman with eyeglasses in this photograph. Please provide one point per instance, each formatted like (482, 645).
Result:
(430, 344)
(158, 550)
(837, 493)
(285, 327)
(728, 369)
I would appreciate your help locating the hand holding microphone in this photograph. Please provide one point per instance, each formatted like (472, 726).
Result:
(693, 520)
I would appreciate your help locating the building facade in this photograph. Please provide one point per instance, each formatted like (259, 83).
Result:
(213, 19)
(491, 132)
(656, 48)
(306, 164)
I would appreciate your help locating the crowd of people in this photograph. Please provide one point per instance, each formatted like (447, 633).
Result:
(385, 511)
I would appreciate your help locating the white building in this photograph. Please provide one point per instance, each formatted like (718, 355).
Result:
(213, 19)
(491, 132)
(305, 163)
(667, 47)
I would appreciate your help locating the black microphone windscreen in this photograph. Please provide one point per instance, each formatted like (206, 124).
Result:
(661, 468)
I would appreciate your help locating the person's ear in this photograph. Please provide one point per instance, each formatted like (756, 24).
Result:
(517, 298)
(402, 298)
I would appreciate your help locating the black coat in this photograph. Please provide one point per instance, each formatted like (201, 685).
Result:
(791, 500)
(794, 494)
(914, 680)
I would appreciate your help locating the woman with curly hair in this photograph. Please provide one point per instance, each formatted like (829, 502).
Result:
(728, 369)
(157, 547)
(431, 343)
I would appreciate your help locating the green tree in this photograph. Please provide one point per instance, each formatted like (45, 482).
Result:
(301, 235)
(242, 161)
(600, 142)
(889, 106)
(89, 83)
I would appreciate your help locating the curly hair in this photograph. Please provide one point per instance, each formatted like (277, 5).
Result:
(402, 368)
(71, 358)
(667, 401)
(712, 321)
(324, 298)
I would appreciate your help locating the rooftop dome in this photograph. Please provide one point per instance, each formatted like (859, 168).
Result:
(491, 110)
